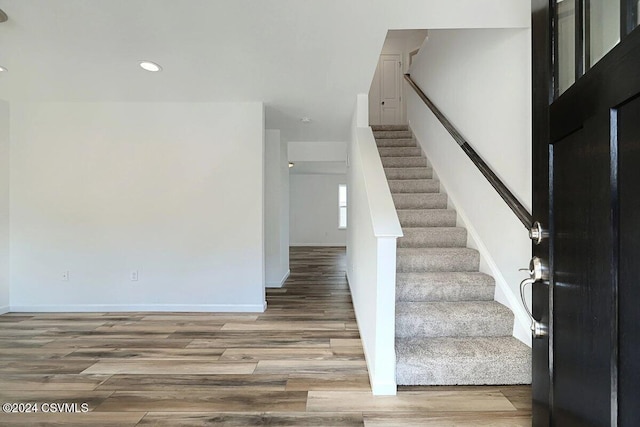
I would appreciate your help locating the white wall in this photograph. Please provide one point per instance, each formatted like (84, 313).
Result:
(4, 207)
(276, 217)
(284, 209)
(371, 252)
(317, 151)
(319, 166)
(318, 157)
(314, 210)
(172, 190)
(481, 80)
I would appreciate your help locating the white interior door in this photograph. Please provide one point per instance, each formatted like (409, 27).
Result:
(385, 93)
(390, 75)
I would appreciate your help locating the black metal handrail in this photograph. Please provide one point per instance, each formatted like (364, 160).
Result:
(521, 212)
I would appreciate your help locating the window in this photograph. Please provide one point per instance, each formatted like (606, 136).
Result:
(342, 206)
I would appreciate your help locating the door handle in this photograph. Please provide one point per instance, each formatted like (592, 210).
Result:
(382, 102)
(536, 273)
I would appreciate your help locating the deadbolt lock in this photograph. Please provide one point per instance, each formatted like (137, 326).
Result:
(536, 233)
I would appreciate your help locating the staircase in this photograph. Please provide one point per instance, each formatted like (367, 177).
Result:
(449, 329)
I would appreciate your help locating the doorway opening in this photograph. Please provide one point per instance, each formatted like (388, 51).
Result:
(387, 105)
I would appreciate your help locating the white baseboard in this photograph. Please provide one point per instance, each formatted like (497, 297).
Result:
(383, 389)
(280, 283)
(340, 245)
(4, 309)
(504, 295)
(97, 308)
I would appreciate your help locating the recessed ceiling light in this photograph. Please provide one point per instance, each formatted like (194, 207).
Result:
(305, 120)
(150, 66)
(2, 69)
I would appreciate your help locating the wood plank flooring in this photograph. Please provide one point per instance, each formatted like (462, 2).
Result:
(300, 363)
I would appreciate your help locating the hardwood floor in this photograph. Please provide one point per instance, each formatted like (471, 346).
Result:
(300, 363)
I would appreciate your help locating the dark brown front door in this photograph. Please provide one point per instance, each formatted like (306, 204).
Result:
(587, 195)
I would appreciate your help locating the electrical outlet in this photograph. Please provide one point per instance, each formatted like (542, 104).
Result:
(134, 276)
(65, 276)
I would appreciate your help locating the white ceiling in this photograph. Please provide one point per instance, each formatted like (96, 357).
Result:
(300, 57)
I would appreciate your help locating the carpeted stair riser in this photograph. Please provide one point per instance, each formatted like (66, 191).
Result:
(400, 151)
(444, 286)
(409, 173)
(463, 319)
(395, 162)
(419, 200)
(427, 217)
(376, 128)
(433, 237)
(436, 259)
(396, 142)
(392, 134)
(414, 185)
(462, 361)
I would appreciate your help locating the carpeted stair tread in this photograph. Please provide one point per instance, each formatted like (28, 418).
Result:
(394, 134)
(433, 237)
(458, 361)
(389, 127)
(399, 151)
(444, 286)
(394, 162)
(453, 319)
(436, 259)
(419, 200)
(414, 185)
(409, 173)
(396, 142)
(427, 218)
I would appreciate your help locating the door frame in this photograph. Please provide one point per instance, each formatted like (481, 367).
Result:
(375, 109)
(542, 296)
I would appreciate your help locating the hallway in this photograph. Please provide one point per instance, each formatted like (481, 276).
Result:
(299, 363)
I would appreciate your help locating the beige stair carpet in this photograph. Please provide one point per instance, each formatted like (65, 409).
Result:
(449, 329)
